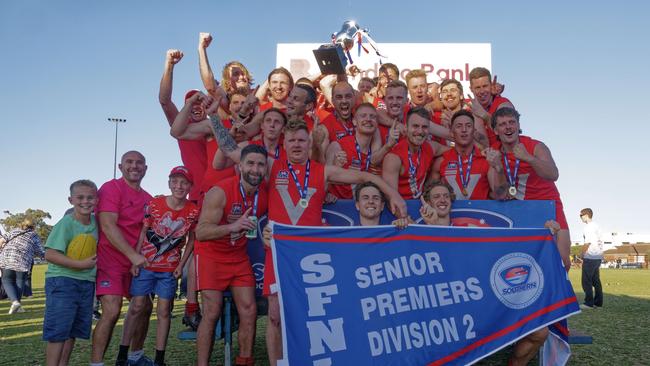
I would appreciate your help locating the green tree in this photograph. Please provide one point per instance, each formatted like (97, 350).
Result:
(13, 221)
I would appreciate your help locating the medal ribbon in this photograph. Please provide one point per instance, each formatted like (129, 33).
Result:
(511, 178)
(356, 144)
(413, 169)
(243, 197)
(464, 178)
(301, 191)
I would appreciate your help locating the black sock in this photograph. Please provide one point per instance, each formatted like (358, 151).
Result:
(123, 353)
(160, 357)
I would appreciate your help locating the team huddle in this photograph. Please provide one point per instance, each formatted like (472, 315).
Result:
(283, 149)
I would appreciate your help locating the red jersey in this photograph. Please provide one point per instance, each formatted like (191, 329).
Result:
(530, 186)
(496, 102)
(278, 153)
(269, 105)
(194, 158)
(166, 233)
(355, 162)
(232, 247)
(336, 128)
(477, 186)
(212, 176)
(284, 197)
(410, 185)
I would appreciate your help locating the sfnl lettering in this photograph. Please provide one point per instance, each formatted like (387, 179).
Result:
(322, 332)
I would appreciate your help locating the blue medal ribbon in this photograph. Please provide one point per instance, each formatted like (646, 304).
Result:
(301, 191)
(511, 178)
(243, 197)
(464, 178)
(356, 145)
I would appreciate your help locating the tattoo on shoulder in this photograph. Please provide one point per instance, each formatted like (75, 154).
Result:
(225, 141)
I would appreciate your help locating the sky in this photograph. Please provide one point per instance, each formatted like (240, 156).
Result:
(577, 72)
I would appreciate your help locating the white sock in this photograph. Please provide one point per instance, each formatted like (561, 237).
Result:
(135, 355)
(16, 302)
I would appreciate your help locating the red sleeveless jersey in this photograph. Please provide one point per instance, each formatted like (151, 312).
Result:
(213, 176)
(278, 154)
(193, 155)
(421, 163)
(348, 144)
(478, 186)
(336, 128)
(232, 247)
(284, 195)
(496, 102)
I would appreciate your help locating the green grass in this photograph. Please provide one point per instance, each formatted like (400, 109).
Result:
(620, 328)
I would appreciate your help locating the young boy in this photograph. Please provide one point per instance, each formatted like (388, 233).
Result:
(168, 222)
(70, 283)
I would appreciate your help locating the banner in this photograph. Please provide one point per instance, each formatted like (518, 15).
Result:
(524, 214)
(422, 295)
(439, 60)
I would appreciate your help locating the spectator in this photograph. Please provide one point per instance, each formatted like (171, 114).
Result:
(592, 257)
(16, 258)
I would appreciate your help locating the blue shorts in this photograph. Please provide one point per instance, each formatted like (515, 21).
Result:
(68, 309)
(147, 282)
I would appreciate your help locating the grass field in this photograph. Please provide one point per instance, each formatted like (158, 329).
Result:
(621, 329)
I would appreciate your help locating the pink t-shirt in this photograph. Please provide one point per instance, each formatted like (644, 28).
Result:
(118, 197)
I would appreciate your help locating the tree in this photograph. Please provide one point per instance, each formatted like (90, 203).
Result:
(13, 221)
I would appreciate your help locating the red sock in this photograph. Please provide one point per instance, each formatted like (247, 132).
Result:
(191, 307)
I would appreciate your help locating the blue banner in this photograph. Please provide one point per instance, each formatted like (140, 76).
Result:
(423, 295)
(523, 214)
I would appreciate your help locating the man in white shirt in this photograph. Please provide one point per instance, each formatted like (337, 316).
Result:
(592, 257)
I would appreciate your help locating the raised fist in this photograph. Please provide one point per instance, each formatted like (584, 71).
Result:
(204, 40)
(174, 56)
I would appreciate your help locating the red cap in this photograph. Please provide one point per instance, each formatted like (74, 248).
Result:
(189, 94)
(181, 170)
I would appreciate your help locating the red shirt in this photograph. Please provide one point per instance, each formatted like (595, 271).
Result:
(118, 197)
(269, 105)
(166, 233)
(530, 186)
(232, 247)
(284, 196)
(336, 128)
(193, 155)
(496, 102)
(279, 152)
(348, 144)
(420, 164)
(478, 186)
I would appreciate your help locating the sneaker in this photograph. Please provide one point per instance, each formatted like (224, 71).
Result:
(586, 307)
(97, 315)
(16, 308)
(142, 361)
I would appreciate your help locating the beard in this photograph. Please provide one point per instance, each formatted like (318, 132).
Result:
(252, 179)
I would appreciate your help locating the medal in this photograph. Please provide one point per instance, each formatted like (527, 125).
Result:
(511, 178)
(356, 145)
(464, 178)
(302, 191)
(250, 234)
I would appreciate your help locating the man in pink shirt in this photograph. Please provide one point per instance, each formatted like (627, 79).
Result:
(120, 212)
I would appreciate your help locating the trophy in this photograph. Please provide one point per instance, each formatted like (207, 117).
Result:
(333, 58)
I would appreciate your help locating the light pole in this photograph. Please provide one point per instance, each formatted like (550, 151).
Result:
(117, 121)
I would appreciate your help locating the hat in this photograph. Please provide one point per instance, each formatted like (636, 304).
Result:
(181, 170)
(189, 94)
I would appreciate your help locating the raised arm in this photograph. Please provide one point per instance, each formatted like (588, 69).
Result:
(207, 76)
(181, 127)
(165, 93)
(496, 178)
(393, 137)
(390, 169)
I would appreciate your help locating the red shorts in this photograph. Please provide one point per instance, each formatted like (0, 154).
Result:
(211, 274)
(559, 215)
(269, 273)
(113, 282)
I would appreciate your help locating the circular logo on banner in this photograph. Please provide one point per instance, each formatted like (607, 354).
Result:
(517, 280)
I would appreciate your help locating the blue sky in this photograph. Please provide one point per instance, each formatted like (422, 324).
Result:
(578, 73)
